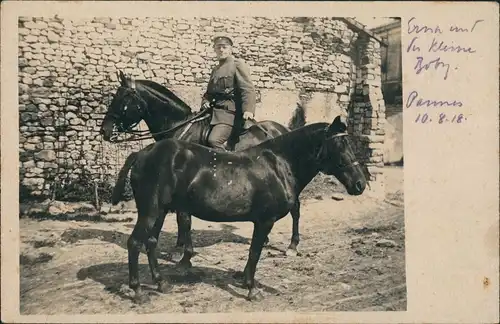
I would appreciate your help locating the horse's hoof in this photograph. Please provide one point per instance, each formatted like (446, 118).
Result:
(291, 252)
(164, 287)
(255, 295)
(141, 298)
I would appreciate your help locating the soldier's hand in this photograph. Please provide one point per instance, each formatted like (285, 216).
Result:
(248, 115)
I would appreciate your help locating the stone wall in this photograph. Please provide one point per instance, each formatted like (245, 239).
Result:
(367, 112)
(67, 76)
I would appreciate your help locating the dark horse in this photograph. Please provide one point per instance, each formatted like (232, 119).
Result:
(259, 184)
(167, 116)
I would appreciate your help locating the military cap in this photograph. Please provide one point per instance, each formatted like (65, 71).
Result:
(223, 40)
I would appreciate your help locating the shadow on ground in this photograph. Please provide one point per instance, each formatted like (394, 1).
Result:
(114, 276)
(201, 238)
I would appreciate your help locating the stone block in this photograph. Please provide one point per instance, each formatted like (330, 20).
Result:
(28, 164)
(340, 88)
(33, 182)
(375, 138)
(53, 37)
(345, 58)
(46, 155)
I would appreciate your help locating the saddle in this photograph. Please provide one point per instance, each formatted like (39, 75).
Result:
(234, 138)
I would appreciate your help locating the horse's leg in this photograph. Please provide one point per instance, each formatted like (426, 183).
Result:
(151, 244)
(292, 248)
(134, 244)
(183, 229)
(260, 231)
(185, 262)
(180, 233)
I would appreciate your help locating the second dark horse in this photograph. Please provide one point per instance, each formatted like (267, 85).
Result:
(260, 185)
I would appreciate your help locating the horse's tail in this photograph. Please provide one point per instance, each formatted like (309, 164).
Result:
(119, 188)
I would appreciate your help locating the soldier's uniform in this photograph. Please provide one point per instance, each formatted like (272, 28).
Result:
(232, 93)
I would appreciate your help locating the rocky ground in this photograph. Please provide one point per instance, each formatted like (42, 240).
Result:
(352, 259)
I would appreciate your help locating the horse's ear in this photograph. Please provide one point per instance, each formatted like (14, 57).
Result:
(123, 79)
(339, 124)
(118, 77)
(340, 119)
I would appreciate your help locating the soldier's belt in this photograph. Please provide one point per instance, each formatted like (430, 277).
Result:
(219, 97)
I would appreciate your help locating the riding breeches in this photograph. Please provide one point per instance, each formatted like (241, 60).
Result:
(219, 135)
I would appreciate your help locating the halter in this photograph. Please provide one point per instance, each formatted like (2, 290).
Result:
(142, 103)
(321, 151)
(146, 134)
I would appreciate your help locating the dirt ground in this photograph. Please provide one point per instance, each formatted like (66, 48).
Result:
(352, 259)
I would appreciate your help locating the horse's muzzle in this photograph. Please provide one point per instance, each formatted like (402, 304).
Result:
(359, 186)
(106, 130)
(357, 189)
(106, 135)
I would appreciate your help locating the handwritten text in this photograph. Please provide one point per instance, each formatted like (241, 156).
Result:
(433, 64)
(437, 45)
(417, 28)
(441, 46)
(440, 118)
(436, 51)
(459, 29)
(414, 100)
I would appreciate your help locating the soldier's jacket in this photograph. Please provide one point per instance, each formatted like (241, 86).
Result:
(231, 90)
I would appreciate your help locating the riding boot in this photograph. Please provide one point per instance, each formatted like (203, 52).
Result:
(218, 136)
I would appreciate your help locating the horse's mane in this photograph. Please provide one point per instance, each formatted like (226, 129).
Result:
(301, 132)
(163, 94)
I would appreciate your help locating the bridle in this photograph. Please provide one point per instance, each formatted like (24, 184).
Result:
(129, 95)
(142, 110)
(320, 151)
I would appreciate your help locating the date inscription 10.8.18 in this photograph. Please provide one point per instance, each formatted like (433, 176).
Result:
(440, 118)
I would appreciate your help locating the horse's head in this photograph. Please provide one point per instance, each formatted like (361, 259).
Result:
(338, 159)
(126, 109)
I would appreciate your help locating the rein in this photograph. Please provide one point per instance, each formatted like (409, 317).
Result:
(260, 127)
(146, 134)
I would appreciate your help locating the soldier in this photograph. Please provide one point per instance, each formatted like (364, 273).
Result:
(230, 92)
